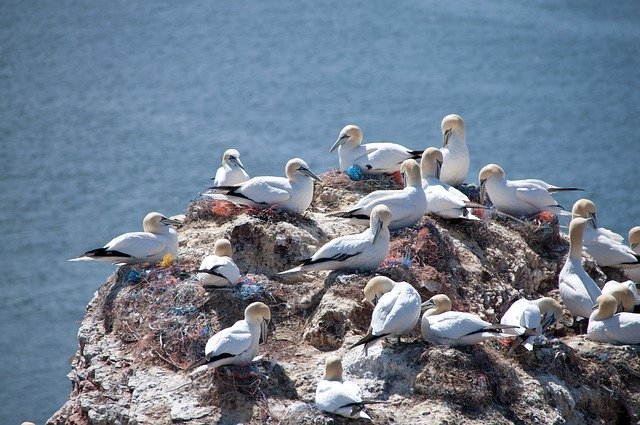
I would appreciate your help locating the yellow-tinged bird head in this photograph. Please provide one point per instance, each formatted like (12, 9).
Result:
(604, 308)
(351, 134)
(586, 209)
(431, 163)
(451, 124)
(259, 313)
(376, 287)
(333, 368)
(222, 248)
(437, 304)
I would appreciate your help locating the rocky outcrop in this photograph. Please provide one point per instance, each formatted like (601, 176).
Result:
(146, 325)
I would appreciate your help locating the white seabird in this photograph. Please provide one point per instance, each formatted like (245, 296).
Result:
(454, 149)
(293, 193)
(407, 205)
(158, 240)
(239, 343)
(337, 396)
(602, 244)
(440, 325)
(442, 199)
(219, 269)
(518, 197)
(396, 312)
(634, 244)
(531, 318)
(625, 293)
(232, 171)
(373, 158)
(607, 326)
(577, 289)
(366, 250)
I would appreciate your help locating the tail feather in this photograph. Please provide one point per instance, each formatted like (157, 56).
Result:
(293, 270)
(563, 189)
(416, 154)
(368, 339)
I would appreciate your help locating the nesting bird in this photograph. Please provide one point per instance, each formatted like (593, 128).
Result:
(407, 206)
(396, 312)
(440, 325)
(373, 158)
(442, 199)
(603, 245)
(531, 318)
(232, 172)
(605, 325)
(454, 149)
(334, 395)
(150, 246)
(577, 289)
(293, 193)
(518, 197)
(366, 250)
(219, 269)
(239, 343)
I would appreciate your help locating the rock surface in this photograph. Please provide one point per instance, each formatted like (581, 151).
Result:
(146, 325)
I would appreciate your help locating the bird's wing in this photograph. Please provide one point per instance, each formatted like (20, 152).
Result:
(439, 199)
(371, 197)
(231, 341)
(344, 246)
(609, 234)
(395, 312)
(456, 324)
(219, 178)
(137, 244)
(535, 196)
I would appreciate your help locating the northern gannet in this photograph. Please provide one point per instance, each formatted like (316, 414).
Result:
(293, 193)
(396, 312)
(517, 197)
(373, 158)
(232, 172)
(454, 149)
(577, 289)
(334, 395)
(407, 206)
(366, 250)
(532, 318)
(440, 325)
(607, 326)
(219, 269)
(158, 240)
(239, 343)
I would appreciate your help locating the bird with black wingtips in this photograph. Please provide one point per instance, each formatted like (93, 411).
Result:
(407, 205)
(396, 310)
(440, 325)
(219, 269)
(518, 197)
(338, 396)
(372, 158)
(293, 193)
(239, 343)
(157, 240)
(605, 325)
(532, 318)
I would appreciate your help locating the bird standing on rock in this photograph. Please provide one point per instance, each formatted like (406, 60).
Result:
(396, 309)
(293, 193)
(219, 269)
(407, 206)
(366, 250)
(158, 240)
(577, 289)
(372, 158)
(454, 149)
(239, 343)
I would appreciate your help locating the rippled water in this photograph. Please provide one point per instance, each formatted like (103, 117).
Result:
(109, 110)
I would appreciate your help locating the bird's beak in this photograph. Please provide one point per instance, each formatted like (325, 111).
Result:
(236, 161)
(595, 307)
(483, 190)
(376, 232)
(427, 305)
(446, 136)
(170, 222)
(593, 220)
(341, 141)
(264, 330)
(307, 172)
(438, 168)
(634, 245)
(404, 179)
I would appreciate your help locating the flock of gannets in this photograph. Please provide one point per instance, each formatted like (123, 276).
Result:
(430, 188)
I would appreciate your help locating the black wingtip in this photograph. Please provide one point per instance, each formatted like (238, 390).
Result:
(367, 339)
(104, 252)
